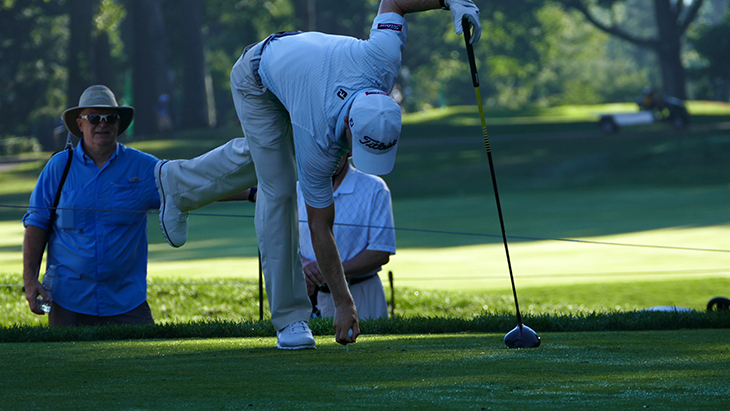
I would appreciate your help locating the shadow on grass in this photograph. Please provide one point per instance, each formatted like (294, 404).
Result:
(618, 321)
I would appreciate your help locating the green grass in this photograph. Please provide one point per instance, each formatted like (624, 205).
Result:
(575, 112)
(658, 370)
(559, 178)
(643, 186)
(180, 301)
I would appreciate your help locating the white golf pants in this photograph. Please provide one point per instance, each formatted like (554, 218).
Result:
(266, 156)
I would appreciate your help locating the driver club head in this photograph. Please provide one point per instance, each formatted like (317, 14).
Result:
(522, 336)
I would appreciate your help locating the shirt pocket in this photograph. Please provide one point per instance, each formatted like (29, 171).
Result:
(73, 210)
(128, 203)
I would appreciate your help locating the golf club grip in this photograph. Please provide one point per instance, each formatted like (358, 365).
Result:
(466, 26)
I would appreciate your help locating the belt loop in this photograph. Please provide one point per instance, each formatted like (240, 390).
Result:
(256, 61)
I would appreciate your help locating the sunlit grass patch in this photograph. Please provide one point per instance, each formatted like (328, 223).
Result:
(715, 108)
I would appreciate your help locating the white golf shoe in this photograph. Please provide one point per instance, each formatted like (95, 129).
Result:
(295, 336)
(173, 222)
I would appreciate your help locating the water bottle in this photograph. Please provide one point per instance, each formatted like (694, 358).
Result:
(49, 283)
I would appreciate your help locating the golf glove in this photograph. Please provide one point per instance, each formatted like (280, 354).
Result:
(461, 8)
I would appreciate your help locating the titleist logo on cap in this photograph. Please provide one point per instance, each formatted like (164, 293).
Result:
(382, 93)
(390, 26)
(375, 144)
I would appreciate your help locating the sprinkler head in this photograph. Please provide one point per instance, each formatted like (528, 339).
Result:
(522, 336)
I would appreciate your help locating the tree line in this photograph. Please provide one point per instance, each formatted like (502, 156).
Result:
(532, 53)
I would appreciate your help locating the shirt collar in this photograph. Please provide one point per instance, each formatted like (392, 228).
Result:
(347, 186)
(86, 159)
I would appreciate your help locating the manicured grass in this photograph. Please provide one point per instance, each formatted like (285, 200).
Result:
(645, 186)
(658, 370)
(549, 114)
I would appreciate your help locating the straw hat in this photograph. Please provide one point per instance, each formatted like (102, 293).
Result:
(97, 97)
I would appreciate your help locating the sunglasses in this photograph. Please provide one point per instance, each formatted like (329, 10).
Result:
(95, 119)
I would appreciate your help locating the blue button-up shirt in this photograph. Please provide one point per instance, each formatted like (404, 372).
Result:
(99, 239)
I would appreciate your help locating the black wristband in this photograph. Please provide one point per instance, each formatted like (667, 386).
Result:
(252, 194)
(443, 5)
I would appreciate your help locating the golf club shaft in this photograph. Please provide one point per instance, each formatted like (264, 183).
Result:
(475, 81)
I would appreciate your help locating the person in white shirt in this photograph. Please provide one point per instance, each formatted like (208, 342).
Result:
(303, 100)
(365, 238)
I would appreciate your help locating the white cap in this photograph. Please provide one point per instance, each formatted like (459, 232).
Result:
(375, 123)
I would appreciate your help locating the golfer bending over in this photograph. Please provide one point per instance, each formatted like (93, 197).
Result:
(315, 95)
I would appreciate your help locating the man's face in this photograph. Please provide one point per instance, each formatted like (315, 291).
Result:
(98, 135)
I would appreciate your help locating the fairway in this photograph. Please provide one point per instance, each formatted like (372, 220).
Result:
(658, 370)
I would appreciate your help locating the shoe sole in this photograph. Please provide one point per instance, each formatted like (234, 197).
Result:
(297, 347)
(161, 193)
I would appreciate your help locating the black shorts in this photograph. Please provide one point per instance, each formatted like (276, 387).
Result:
(61, 317)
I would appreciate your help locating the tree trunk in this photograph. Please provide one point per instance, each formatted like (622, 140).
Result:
(669, 50)
(672, 19)
(195, 101)
(305, 12)
(81, 15)
(102, 67)
(149, 72)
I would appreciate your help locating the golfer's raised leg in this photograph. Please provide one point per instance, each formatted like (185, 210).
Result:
(186, 185)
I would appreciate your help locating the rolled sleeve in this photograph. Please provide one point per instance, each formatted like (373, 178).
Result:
(41, 199)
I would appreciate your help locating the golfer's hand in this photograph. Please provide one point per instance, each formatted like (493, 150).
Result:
(465, 8)
(346, 320)
(32, 292)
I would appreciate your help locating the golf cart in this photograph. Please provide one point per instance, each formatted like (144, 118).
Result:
(653, 108)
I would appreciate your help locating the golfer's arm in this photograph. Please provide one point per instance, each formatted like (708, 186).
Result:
(321, 221)
(365, 262)
(407, 6)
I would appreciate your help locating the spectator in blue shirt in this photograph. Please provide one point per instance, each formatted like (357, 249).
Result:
(98, 238)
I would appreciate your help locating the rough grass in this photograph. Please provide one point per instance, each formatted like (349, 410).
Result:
(609, 321)
(226, 300)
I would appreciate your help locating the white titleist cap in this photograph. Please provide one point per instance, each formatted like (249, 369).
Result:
(375, 123)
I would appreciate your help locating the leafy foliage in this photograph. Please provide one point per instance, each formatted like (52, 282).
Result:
(32, 55)
(532, 53)
(713, 45)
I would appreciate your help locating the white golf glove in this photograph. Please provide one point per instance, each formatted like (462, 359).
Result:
(461, 8)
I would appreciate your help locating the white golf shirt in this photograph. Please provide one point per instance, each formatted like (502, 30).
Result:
(316, 77)
(363, 221)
